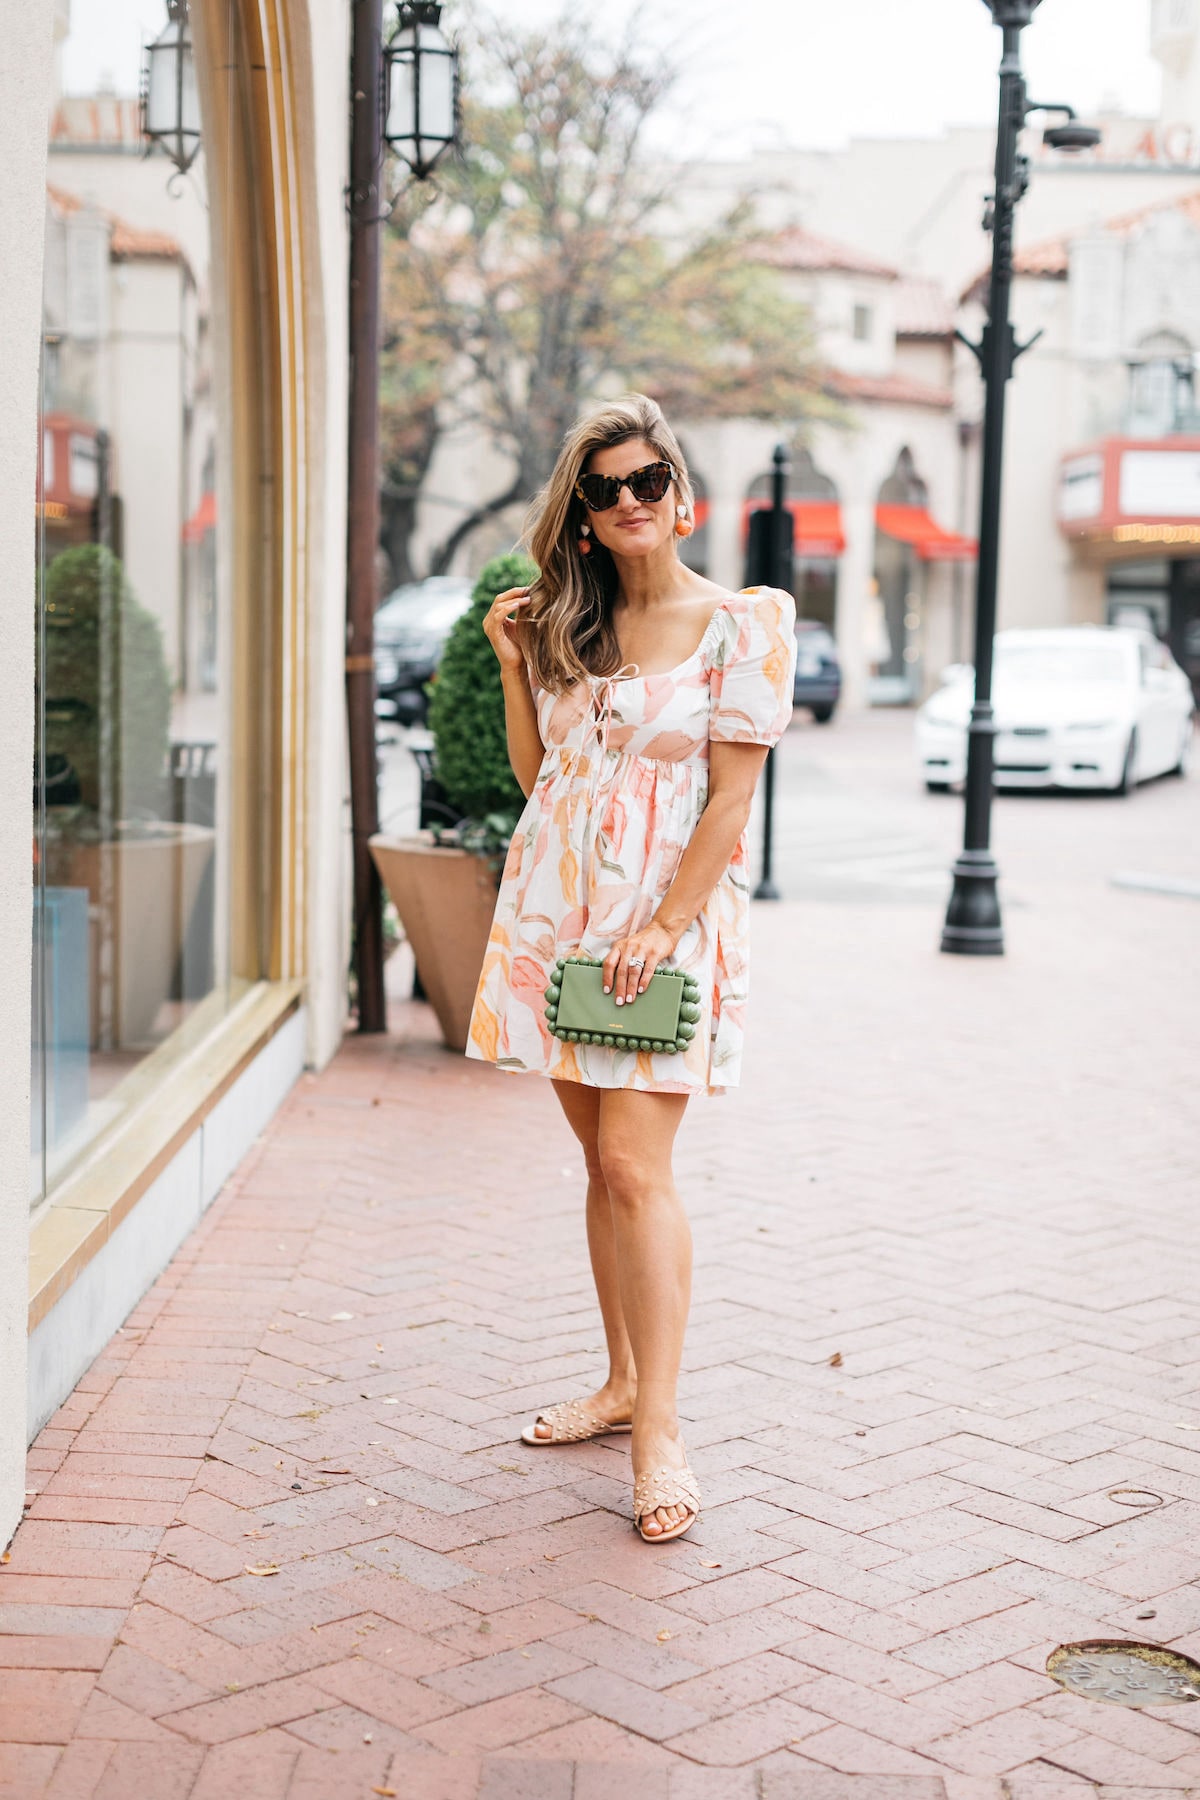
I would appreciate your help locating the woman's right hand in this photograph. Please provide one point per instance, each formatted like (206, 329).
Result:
(500, 624)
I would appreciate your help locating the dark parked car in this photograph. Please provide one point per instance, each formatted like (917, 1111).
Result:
(411, 628)
(818, 683)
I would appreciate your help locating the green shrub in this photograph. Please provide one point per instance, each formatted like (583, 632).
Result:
(466, 712)
(107, 689)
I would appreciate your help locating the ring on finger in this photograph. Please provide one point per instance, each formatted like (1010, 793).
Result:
(637, 962)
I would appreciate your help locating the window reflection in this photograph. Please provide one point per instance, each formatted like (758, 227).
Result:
(127, 782)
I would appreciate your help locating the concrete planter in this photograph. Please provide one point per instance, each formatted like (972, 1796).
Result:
(142, 894)
(445, 898)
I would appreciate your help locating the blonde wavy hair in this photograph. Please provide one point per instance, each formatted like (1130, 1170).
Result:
(568, 631)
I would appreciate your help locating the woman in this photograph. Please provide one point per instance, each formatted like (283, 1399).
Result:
(640, 702)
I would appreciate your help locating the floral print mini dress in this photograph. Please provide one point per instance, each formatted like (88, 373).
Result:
(621, 788)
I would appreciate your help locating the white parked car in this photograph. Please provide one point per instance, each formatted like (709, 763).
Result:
(1086, 707)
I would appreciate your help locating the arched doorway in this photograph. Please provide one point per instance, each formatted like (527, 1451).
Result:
(893, 632)
(813, 499)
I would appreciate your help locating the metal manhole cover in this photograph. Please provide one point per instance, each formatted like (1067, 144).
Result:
(1125, 1674)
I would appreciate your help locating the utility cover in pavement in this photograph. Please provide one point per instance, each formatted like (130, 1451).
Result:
(1125, 1674)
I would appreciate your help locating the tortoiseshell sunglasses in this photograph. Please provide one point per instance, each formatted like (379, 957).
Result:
(650, 482)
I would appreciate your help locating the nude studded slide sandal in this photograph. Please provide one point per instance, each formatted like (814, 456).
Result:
(666, 1487)
(570, 1422)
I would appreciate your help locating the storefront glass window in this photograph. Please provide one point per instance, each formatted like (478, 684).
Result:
(127, 858)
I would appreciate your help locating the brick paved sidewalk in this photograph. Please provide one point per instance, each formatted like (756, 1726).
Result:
(945, 1306)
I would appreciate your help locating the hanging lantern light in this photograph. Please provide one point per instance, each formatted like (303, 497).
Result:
(421, 74)
(170, 101)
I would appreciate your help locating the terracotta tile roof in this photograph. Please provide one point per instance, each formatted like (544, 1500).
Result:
(799, 249)
(1050, 260)
(1188, 204)
(112, 119)
(61, 201)
(893, 390)
(129, 241)
(923, 310)
(126, 242)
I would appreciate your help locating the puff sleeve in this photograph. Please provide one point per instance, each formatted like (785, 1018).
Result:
(754, 663)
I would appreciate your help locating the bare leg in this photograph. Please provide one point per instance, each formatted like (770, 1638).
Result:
(653, 1244)
(615, 1399)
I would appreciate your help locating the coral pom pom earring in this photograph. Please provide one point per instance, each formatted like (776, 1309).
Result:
(585, 532)
(683, 525)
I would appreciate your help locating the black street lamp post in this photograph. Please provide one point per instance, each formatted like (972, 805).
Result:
(362, 533)
(405, 93)
(973, 926)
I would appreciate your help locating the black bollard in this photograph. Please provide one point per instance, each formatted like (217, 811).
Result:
(766, 889)
(769, 564)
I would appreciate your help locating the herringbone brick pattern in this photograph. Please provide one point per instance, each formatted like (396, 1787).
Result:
(284, 1544)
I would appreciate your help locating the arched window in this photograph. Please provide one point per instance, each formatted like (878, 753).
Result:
(904, 486)
(1161, 386)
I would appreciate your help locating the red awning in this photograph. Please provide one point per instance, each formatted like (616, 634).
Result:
(818, 527)
(203, 519)
(913, 525)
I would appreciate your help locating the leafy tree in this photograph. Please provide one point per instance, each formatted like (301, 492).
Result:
(416, 355)
(553, 267)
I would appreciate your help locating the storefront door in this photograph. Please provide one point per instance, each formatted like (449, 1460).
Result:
(1184, 628)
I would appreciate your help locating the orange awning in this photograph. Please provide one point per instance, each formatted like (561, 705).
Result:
(913, 525)
(203, 519)
(818, 527)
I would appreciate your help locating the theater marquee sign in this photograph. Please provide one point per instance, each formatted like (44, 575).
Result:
(1124, 493)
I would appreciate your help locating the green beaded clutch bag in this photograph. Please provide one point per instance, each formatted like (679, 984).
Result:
(662, 1019)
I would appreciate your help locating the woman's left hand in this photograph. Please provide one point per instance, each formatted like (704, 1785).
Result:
(633, 959)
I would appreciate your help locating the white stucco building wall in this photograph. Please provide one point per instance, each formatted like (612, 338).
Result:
(97, 153)
(327, 875)
(918, 202)
(25, 74)
(1119, 305)
(1038, 423)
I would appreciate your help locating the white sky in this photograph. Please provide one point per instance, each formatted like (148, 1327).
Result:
(806, 72)
(106, 40)
(815, 72)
